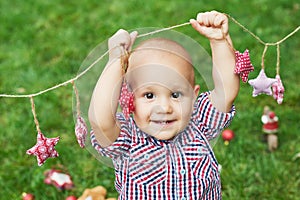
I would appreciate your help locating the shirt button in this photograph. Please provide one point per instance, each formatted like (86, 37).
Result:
(199, 149)
(183, 198)
(146, 156)
(182, 172)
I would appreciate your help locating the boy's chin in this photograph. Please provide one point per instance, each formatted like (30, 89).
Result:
(164, 136)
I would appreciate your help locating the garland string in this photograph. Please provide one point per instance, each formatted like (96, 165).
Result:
(143, 35)
(77, 99)
(56, 86)
(37, 125)
(263, 57)
(278, 60)
(163, 29)
(260, 40)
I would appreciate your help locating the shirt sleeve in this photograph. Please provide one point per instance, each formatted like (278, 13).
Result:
(208, 119)
(121, 145)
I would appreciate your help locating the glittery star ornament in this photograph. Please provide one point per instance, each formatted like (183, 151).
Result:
(81, 131)
(44, 148)
(278, 90)
(262, 84)
(126, 100)
(243, 65)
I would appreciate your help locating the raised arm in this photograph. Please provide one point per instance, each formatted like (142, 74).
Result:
(214, 26)
(104, 101)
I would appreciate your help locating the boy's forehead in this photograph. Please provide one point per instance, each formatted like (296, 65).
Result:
(150, 74)
(157, 54)
(159, 64)
(163, 44)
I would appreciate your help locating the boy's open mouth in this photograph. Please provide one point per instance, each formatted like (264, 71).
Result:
(162, 122)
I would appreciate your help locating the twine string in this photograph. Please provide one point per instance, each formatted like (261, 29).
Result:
(260, 40)
(143, 35)
(124, 59)
(245, 29)
(229, 43)
(56, 86)
(263, 57)
(278, 59)
(34, 115)
(286, 37)
(163, 29)
(77, 99)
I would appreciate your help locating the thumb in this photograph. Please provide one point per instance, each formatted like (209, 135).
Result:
(133, 36)
(196, 25)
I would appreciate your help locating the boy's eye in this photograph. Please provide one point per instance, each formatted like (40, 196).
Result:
(149, 95)
(176, 95)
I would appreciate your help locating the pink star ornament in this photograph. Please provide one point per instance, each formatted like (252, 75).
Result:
(44, 148)
(278, 90)
(261, 84)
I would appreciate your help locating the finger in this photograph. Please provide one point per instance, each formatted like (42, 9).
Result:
(193, 22)
(202, 19)
(133, 36)
(221, 21)
(197, 26)
(120, 37)
(207, 18)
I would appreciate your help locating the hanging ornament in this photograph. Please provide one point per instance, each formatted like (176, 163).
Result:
(227, 136)
(126, 100)
(126, 96)
(27, 196)
(277, 87)
(59, 179)
(81, 129)
(243, 65)
(44, 148)
(261, 84)
(278, 90)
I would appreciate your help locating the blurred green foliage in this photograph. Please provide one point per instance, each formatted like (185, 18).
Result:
(43, 43)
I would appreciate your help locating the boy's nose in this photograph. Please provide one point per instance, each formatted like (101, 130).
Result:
(164, 106)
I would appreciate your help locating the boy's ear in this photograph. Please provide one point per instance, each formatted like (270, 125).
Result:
(196, 91)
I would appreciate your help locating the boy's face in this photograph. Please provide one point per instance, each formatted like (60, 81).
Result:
(164, 93)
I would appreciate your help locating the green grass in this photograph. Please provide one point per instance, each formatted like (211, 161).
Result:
(43, 43)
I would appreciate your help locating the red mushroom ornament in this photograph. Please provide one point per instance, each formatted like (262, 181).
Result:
(71, 198)
(27, 196)
(227, 135)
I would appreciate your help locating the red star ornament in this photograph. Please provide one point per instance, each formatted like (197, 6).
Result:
(278, 90)
(243, 65)
(126, 100)
(262, 84)
(44, 148)
(81, 131)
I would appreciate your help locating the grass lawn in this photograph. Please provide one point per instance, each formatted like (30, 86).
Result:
(43, 43)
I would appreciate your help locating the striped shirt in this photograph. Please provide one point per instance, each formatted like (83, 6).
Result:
(182, 168)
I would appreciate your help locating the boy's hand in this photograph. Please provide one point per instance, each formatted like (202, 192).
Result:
(120, 42)
(213, 25)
